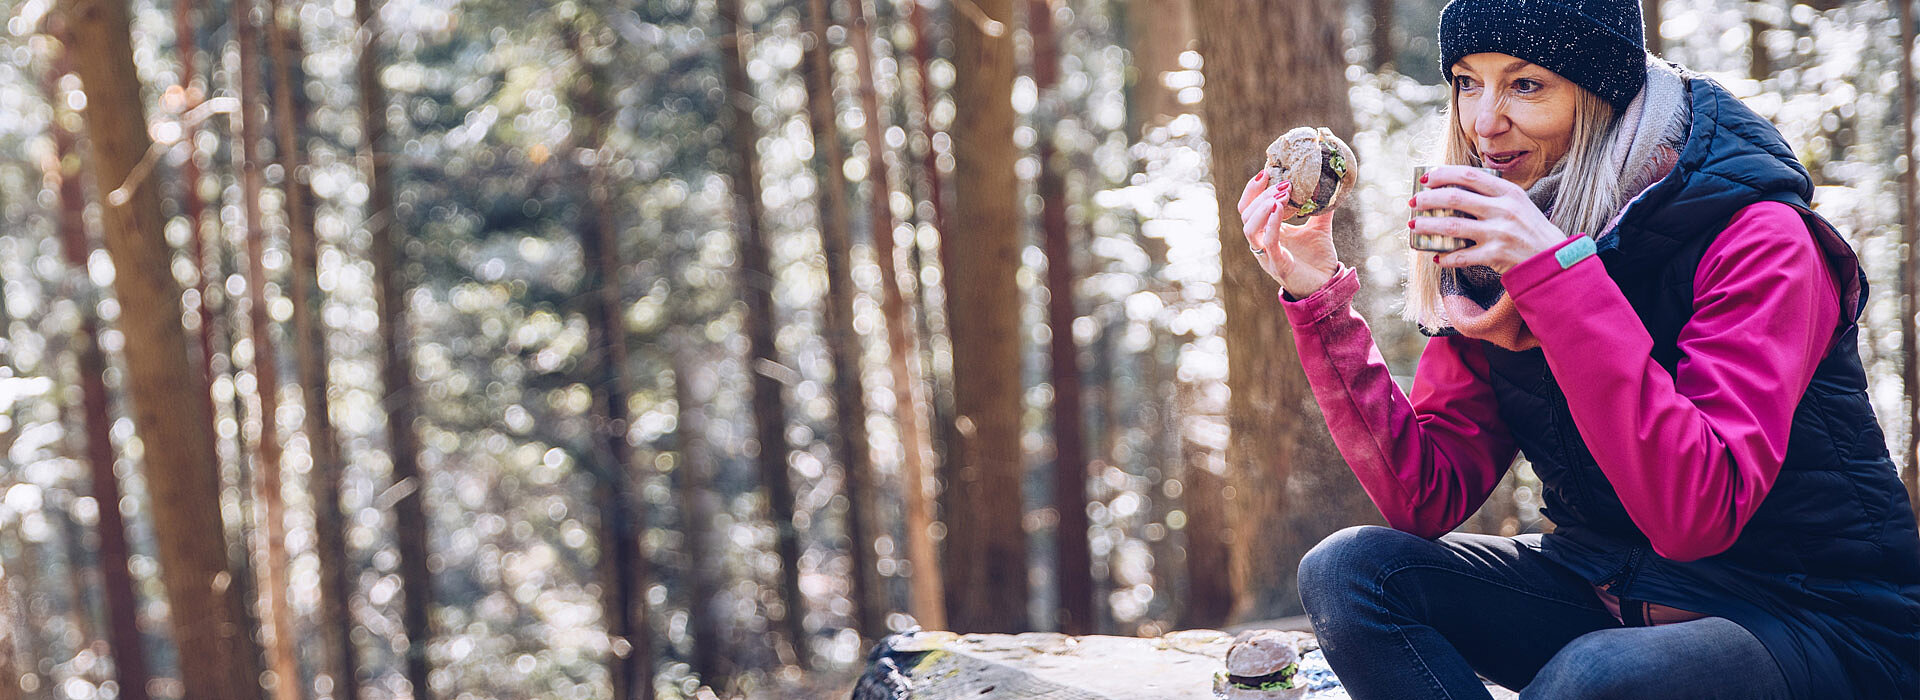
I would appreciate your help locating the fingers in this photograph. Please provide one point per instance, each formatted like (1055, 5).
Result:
(1473, 179)
(1256, 216)
(1454, 226)
(1457, 199)
(1254, 186)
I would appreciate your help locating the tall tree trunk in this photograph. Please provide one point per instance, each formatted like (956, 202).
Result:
(1209, 593)
(275, 582)
(930, 158)
(338, 661)
(1650, 13)
(23, 572)
(932, 399)
(11, 618)
(216, 660)
(190, 202)
(702, 508)
(621, 520)
(1073, 568)
(122, 607)
(986, 545)
(1380, 52)
(396, 370)
(1760, 59)
(836, 241)
(925, 599)
(1290, 488)
(1158, 31)
(769, 412)
(1909, 271)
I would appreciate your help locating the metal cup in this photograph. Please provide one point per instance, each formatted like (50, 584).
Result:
(1435, 243)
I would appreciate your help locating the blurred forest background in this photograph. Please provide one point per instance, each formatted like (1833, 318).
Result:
(683, 348)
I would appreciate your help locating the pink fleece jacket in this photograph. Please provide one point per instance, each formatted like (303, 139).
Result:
(1692, 454)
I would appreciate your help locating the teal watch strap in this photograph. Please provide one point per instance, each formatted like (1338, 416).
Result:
(1580, 249)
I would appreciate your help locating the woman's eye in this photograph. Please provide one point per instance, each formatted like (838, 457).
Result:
(1526, 85)
(1462, 82)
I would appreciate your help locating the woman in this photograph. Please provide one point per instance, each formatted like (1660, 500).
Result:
(1653, 315)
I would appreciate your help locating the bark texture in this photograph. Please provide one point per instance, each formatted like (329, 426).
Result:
(216, 659)
(1909, 271)
(1073, 567)
(926, 593)
(276, 581)
(339, 662)
(693, 483)
(986, 562)
(756, 272)
(623, 567)
(116, 579)
(396, 367)
(843, 343)
(1157, 32)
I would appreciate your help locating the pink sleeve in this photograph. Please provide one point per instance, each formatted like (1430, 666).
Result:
(1692, 453)
(1428, 462)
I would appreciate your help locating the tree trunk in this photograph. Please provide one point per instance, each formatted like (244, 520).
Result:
(986, 545)
(216, 660)
(925, 594)
(23, 571)
(1073, 569)
(621, 517)
(191, 205)
(1760, 60)
(1650, 13)
(702, 508)
(338, 660)
(930, 157)
(1380, 52)
(11, 671)
(769, 413)
(836, 241)
(121, 604)
(1158, 31)
(396, 370)
(1290, 489)
(1909, 271)
(275, 582)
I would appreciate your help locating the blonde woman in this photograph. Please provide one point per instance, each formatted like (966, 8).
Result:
(1654, 316)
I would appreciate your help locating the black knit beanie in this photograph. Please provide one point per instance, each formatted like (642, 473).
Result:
(1597, 44)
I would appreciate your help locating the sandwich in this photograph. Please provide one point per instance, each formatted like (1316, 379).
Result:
(1320, 166)
(1261, 665)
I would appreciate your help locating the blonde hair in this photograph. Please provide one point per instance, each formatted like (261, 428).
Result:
(1589, 193)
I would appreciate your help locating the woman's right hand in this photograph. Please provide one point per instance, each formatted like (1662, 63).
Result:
(1301, 258)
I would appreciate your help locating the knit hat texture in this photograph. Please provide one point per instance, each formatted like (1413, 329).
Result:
(1597, 44)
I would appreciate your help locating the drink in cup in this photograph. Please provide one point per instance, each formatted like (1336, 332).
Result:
(1435, 243)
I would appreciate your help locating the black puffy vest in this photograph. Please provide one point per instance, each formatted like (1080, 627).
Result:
(1838, 512)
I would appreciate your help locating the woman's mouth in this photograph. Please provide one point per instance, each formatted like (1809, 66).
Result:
(1505, 160)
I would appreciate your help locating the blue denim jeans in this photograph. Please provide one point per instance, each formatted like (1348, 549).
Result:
(1403, 617)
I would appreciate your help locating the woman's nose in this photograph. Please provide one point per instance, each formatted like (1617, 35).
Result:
(1492, 120)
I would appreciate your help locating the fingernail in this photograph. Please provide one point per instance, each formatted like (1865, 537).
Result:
(1409, 223)
(1423, 179)
(1410, 201)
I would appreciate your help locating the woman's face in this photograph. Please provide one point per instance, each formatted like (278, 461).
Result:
(1518, 116)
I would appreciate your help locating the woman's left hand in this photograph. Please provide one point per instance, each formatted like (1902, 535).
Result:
(1509, 228)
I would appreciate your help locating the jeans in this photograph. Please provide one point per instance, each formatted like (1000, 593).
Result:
(1403, 617)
